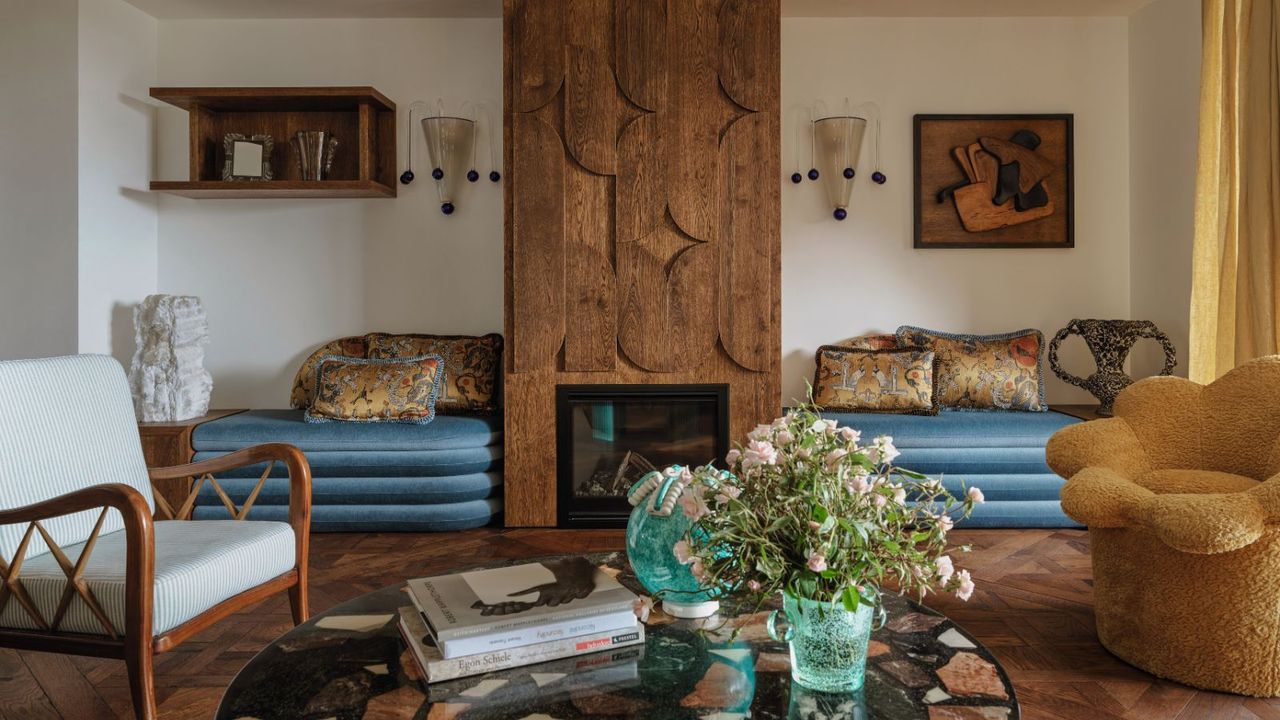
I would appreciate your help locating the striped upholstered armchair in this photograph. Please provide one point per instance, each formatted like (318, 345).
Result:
(84, 566)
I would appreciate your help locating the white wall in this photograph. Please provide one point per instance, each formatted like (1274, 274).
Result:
(1164, 94)
(843, 279)
(117, 238)
(37, 178)
(279, 277)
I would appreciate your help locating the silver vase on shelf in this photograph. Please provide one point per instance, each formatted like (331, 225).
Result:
(315, 150)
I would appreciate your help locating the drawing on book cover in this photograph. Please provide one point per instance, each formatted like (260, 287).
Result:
(552, 584)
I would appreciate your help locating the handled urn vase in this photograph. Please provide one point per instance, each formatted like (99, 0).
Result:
(1110, 342)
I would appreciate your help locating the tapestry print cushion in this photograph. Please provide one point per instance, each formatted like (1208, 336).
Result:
(399, 390)
(472, 365)
(887, 381)
(304, 383)
(985, 372)
(872, 342)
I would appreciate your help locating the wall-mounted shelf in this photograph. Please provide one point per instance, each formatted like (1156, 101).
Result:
(361, 118)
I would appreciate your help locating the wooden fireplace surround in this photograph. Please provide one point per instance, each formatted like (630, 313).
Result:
(642, 212)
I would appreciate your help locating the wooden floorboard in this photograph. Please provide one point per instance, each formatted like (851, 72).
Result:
(1033, 609)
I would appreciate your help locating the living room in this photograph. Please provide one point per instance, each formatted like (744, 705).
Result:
(332, 295)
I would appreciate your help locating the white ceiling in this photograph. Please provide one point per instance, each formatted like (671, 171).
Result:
(175, 9)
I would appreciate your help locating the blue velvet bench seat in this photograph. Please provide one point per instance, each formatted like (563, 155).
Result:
(1000, 452)
(446, 475)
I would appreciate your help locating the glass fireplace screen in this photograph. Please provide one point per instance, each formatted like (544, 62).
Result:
(609, 436)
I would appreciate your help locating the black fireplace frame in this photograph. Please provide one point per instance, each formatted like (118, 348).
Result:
(578, 512)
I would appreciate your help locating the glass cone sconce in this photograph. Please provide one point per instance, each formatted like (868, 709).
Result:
(835, 147)
(451, 150)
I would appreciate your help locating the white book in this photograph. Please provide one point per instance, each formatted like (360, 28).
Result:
(437, 668)
(483, 610)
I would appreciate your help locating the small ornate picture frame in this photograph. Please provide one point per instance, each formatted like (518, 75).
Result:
(246, 158)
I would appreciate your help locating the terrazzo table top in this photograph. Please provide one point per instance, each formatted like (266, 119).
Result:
(350, 663)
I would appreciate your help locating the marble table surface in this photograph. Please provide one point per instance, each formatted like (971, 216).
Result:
(350, 663)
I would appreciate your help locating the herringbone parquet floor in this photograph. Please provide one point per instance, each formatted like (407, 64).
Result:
(1032, 609)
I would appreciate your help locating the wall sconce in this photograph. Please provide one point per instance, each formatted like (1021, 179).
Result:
(451, 148)
(835, 145)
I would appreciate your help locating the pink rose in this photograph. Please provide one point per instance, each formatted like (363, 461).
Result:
(699, 572)
(832, 459)
(900, 495)
(785, 437)
(731, 458)
(683, 553)
(946, 523)
(858, 483)
(762, 432)
(642, 606)
(945, 569)
(753, 585)
(850, 435)
(817, 562)
(976, 495)
(965, 590)
(880, 500)
(693, 504)
(814, 524)
(759, 452)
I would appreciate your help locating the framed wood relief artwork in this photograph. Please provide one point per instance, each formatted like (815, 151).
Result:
(994, 181)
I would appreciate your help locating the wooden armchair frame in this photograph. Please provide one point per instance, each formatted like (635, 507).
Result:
(137, 644)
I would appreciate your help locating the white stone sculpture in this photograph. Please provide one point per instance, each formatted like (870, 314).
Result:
(167, 374)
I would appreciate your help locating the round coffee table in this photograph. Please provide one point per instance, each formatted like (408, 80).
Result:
(351, 663)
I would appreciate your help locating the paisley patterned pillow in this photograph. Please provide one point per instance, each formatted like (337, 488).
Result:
(304, 383)
(985, 372)
(472, 367)
(872, 342)
(400, 390)
(888, 381)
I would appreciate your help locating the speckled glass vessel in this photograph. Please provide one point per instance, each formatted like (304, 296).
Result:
(828, 643)
(655, 525)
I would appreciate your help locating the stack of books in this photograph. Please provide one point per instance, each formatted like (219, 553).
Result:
(473, 623)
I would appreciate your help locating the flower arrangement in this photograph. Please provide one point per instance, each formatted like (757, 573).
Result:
(806, 508)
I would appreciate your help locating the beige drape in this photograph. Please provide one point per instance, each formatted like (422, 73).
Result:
(1235, 294)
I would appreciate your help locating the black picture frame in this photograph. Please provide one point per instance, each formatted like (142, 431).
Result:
(921, 237)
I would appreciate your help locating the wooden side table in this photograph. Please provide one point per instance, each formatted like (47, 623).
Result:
(165, 444)
(1084, 412)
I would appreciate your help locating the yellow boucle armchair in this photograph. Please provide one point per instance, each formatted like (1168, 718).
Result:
(1181, 493)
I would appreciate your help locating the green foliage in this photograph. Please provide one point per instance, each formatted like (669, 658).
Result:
(805, 508)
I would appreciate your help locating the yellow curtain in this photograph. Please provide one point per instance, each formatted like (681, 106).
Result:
(1235, 294)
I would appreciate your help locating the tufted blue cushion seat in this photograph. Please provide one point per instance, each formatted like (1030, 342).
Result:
(198, 565)
(1000, 452)
(446, 475)
(446, 432)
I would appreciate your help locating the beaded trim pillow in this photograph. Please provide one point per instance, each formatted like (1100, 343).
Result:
(871, 342)
(304, 383)
(401, 390)
(985, 372)
(472, 367)
(885, 381)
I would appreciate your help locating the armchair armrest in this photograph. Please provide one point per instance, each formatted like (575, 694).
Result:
(299, 484)
(139, 540)
(1109, 443)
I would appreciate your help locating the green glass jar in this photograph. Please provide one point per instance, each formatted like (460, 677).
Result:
(828, 643)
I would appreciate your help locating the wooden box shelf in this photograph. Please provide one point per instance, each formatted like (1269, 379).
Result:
(361, 118)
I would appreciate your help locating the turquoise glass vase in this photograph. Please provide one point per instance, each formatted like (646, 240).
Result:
(828, 643)
(656, 524)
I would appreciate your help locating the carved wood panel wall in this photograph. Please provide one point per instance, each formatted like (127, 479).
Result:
(642, 203)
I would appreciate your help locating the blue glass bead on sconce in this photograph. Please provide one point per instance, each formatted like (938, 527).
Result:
(840, 213)
(472, 175)
(878, 178)
(849, 173)
(438, 174)
(796, 178)
(494, 176)
(446, 208)
(656, 524)
(813, 173)
(406, 177)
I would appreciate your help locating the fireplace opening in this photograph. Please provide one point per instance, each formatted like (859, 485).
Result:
(610, 436)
